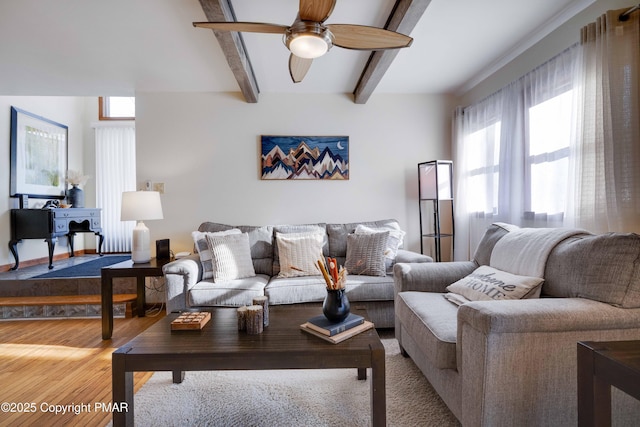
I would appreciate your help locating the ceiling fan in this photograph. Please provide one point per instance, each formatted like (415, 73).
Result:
(308, 37)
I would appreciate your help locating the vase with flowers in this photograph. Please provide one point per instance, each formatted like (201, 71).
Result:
(75, 195)
(336, 305)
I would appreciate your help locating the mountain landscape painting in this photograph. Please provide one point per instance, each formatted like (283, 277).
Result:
(305, 157)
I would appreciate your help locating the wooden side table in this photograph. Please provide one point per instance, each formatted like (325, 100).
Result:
(600, 366)
(127, 268)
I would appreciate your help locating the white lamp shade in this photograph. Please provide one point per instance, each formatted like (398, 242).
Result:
(435, 180)
(140, 206)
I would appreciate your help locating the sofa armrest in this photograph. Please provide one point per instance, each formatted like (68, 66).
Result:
(404, 256)
(510, 352)
(429, 276)
(180, 276)
(545, 315)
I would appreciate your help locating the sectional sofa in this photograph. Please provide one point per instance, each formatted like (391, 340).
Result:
(256, 255)
(504, 352)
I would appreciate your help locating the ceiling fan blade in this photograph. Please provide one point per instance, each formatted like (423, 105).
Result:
(316, 10)
(298, 67)
(245, 27)
(367, 38)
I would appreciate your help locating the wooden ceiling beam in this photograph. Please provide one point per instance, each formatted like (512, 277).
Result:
(403, 19)
(233, 47)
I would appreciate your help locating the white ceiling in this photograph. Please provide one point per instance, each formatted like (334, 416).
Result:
(118, 47)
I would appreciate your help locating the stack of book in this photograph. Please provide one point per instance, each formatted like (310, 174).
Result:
(321, 327)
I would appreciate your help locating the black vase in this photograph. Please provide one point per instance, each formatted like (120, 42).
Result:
(336, 305)
(75, 197)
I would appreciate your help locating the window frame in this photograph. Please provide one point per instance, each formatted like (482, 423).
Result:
(103, 110)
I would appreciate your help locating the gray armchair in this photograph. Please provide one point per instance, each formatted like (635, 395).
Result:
(513, 362)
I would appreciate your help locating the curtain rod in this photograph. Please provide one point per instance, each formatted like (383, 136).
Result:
(625, 15)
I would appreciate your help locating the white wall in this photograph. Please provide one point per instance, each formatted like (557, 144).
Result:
(550, 46)
(205, 148)
(70, 111)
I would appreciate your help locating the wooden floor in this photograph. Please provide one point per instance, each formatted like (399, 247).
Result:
(44, 363)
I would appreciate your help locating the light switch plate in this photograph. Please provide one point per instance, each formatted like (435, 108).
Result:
(159, 187)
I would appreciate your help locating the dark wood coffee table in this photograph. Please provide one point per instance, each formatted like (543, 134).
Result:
(220, 346)
(602, 365)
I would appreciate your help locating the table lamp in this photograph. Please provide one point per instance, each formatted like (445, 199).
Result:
(140, 206)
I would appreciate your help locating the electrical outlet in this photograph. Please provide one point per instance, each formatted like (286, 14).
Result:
(147, 185)
(159, 187)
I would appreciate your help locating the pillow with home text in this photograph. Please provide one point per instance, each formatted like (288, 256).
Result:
(487, 284)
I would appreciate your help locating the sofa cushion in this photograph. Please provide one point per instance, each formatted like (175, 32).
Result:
(394, 242)
(369, 288)
(297, 228)
(299, 253)
(487, 284)
(231, 257)
(432, 322)
(260, 241)
(338, 233)
(603, 268)
(233, 293)
(204, 250)
(365, 254)
(294, 290)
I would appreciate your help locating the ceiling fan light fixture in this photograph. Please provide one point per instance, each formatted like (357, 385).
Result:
(308, 40)
(308, 46)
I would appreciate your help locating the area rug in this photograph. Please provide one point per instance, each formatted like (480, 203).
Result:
(86, 269)
(329, 397)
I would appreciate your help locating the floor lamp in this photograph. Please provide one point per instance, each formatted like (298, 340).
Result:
(140, 206)
(435, 187)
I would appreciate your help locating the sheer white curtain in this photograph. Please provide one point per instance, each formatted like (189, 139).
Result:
(115, 173)
(511, 153)
(606, 152)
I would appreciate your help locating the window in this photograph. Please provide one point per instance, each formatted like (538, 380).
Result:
(115, 173)
(116, 108)
(513, 153)
(548, 158)
(483, 160)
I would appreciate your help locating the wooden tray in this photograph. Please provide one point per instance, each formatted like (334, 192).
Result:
(190, 320)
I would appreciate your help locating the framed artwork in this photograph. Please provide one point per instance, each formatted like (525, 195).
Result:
(305, 157)
(38, 156)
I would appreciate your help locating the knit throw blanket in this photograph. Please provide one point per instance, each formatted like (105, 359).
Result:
(524, 251)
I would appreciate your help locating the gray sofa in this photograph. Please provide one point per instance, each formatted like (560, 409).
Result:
(513, 362)
(186, 289)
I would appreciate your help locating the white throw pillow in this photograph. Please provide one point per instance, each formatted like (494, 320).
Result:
(231, 257)
(487, 284)
(299, 253)
(202, 246)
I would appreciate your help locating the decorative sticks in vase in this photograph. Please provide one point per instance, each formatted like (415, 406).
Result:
(334, 276)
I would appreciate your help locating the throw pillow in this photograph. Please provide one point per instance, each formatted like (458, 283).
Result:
(231, 257)
(396, 236)
(202, 246)
(365, 254)
(299, 253)
(487, 283)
